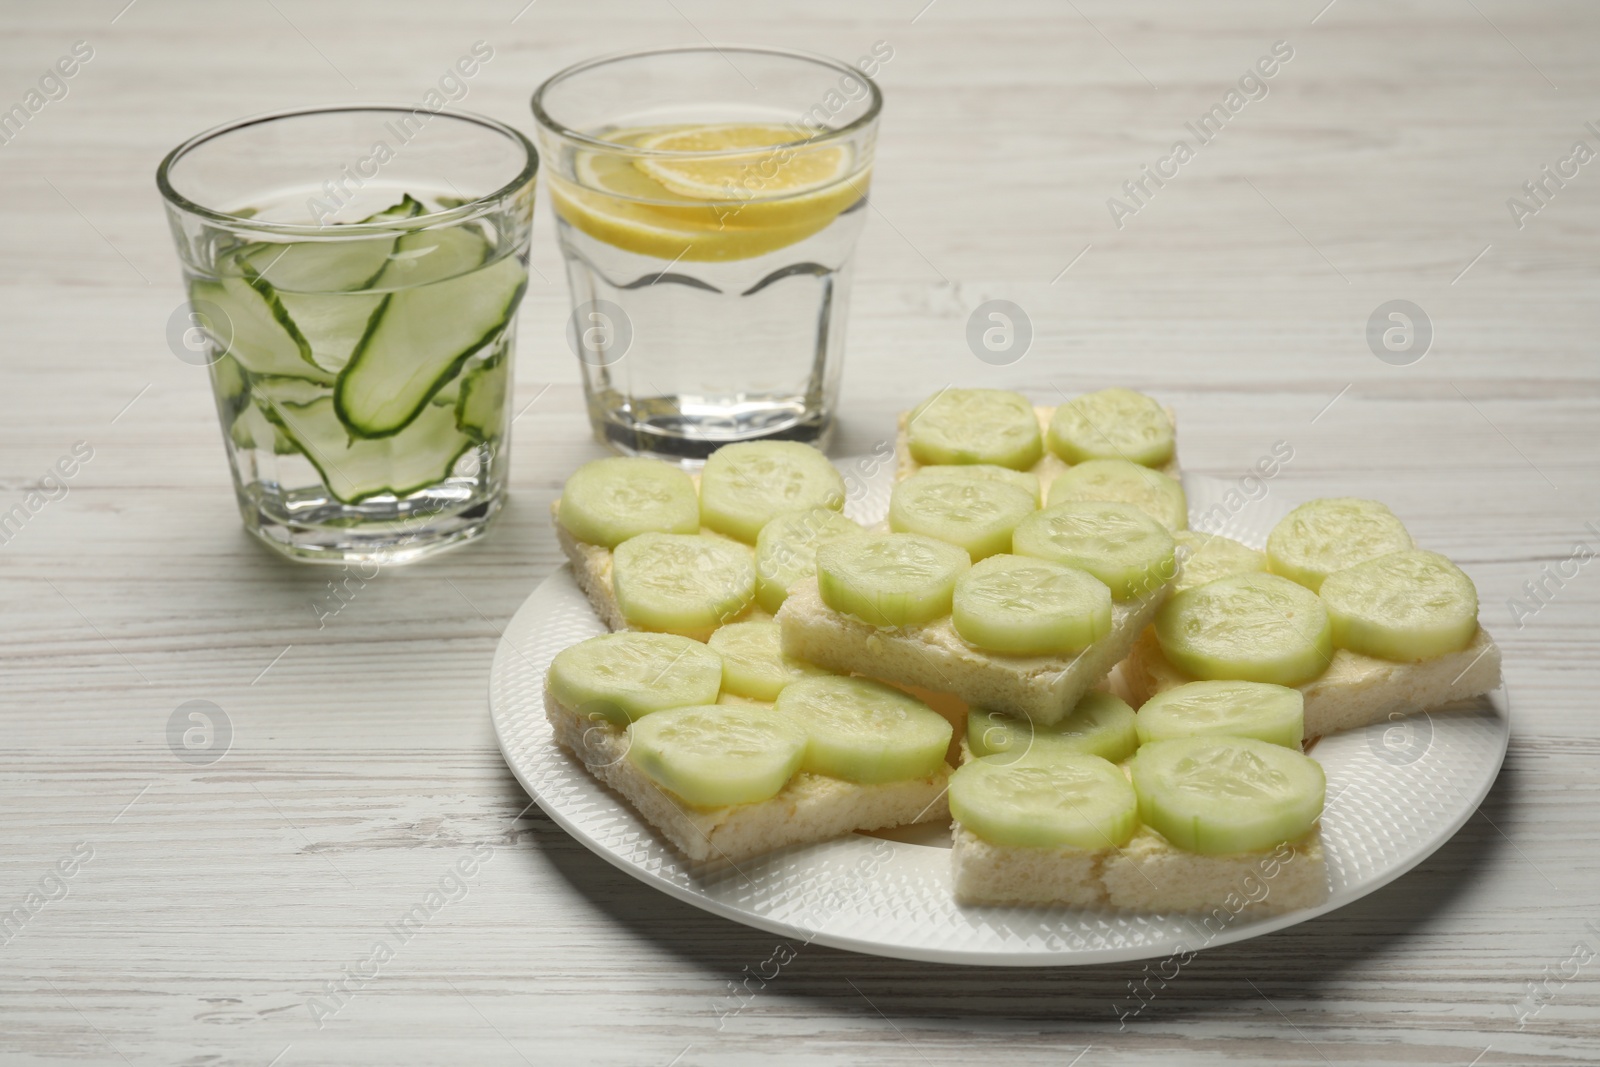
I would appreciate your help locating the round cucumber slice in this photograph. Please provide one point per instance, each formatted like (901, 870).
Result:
(1216, 795)
(1030, 607)
(1122, 546)
(625, 676)
(1027, 481)
(1251, 627)
(682, 583)
(892, 579)
(977, 514)
(1101, 725)
(1051, 800)
(753, 663)
(786, 550)
(1152, 492)
(718, 755)
(1271, 713)
(1404, 606)
(1204, 558)
(864, 731)
(975, 426)
(1112, 424)
(1317, 539)
(744, 486)
(607, 501)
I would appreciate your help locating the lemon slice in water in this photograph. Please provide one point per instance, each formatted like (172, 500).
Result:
(734, 206)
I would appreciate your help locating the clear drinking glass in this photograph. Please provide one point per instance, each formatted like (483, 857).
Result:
(353, 277)
(707, 203)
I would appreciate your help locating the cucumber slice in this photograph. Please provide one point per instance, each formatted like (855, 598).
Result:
(1216, 795)
(975, 426)
(258, 332)
(1122, 546)
(1051, 800)
(1112, 424)
(1101, 725)
(355, 469)
(481, 407)
(335, 265)
(1317, 539)
(625, 676)
(1251, 627)
(682, 583)
(339, 264)
(1030, 607)
(744, 486)
(1027, 481)
(429, 256)
(1271, 713)
(1152, 492)
(1410, 605)
(865, 731)
(1204, 558)
(607, 501)
(753, 663)
(419, 340)
(977, 514)
(786, 550)
(892, 579)
(718, 755)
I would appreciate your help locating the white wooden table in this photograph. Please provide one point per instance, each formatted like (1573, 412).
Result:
(218, 904)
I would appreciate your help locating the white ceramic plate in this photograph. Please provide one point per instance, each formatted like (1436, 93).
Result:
(1397, 791)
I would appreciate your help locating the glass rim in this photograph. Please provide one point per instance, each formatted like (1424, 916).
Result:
(528, 173)
(547, 122)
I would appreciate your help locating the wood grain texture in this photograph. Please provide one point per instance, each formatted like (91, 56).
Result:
(220, 900)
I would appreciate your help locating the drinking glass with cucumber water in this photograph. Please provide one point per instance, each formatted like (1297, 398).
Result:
(353, 276)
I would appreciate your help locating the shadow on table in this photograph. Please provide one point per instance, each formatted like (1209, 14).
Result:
(1291, 962)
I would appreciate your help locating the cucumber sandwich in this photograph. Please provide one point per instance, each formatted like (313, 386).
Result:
(653, 550)
(1203, 801)
(1027, 631)
(725, 780)
(1341, 606)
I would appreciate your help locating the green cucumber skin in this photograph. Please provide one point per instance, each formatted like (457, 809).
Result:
(357, 358)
